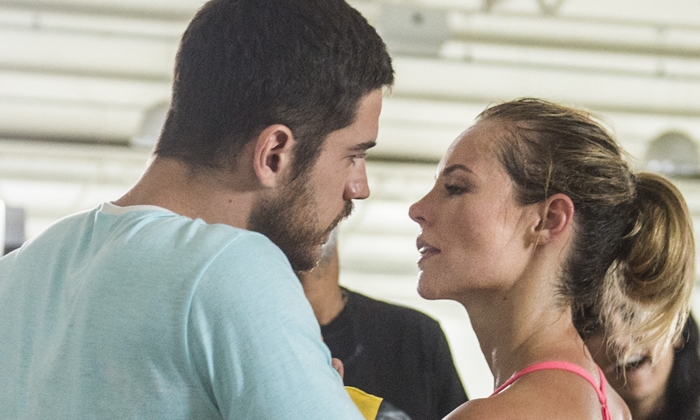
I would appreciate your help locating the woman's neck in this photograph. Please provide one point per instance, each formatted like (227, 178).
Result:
(522, 326)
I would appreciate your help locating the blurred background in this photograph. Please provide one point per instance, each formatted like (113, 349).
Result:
(84, 86)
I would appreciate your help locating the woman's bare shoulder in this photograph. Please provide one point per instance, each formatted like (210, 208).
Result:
(618, 408)
(512, 404)
(502, 407)
(474, 409)
(549, 394)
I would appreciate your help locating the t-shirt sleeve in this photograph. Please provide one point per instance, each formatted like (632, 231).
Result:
(254, 342)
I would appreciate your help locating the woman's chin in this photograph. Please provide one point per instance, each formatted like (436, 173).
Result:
(423, 290)
(427, 290)
(428, 295)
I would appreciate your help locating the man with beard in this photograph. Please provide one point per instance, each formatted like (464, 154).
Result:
(179, 300)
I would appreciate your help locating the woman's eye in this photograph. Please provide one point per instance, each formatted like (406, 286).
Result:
(454, 189)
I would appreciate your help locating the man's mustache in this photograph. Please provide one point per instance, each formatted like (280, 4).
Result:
(346, 212)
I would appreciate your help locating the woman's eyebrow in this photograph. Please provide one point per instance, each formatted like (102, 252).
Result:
(456, 167)
(452, 168)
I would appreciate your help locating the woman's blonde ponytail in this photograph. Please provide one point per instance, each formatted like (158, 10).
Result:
(645, 301)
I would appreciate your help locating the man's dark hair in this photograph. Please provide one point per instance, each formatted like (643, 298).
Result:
(244, 65)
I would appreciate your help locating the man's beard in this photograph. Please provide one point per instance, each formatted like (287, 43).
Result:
(290, 220)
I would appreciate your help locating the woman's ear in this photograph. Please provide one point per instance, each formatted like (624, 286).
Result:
(273, 154)
(556, 220)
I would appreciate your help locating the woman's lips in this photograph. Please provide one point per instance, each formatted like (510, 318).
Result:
(425, 249)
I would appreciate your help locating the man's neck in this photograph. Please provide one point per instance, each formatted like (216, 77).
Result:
(210, 196)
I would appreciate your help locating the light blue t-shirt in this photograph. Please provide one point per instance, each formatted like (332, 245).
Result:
(139, 313)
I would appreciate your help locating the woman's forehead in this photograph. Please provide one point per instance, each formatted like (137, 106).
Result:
(480, 141)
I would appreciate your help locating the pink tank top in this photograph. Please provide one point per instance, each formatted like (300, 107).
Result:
(571, 368)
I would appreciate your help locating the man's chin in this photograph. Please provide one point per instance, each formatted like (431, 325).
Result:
(307, 261)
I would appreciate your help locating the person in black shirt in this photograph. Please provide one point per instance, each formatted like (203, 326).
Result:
(683, 387)
(391, 351)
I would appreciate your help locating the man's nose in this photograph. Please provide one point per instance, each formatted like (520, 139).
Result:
(357, 187)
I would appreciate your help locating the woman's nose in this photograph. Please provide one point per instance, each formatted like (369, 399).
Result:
(416, 211)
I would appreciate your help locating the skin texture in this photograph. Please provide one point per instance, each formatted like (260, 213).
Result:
(642, 386)
(501, 261)
(256, 192)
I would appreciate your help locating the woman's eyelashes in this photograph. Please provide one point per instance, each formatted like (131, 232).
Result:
(455, 189)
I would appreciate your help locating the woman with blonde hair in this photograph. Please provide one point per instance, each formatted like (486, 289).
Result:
(532, 211)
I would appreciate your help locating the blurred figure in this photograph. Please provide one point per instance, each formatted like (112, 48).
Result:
(391, 351)
(666, 389)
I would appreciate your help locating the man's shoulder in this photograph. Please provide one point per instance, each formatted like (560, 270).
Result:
(158, 225)
(241, 239)
(149, 235)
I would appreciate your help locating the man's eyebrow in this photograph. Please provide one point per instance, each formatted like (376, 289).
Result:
(364, 146)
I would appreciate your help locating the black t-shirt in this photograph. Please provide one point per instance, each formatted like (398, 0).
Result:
(396, 353)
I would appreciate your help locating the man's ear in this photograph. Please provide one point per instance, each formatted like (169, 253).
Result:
(273, 154)
(556, 218)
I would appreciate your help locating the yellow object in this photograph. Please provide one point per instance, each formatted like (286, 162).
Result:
(367, 403)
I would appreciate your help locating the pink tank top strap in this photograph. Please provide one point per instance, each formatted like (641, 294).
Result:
(555, 364)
